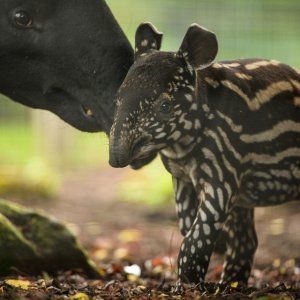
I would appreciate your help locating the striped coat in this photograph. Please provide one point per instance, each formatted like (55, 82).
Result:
(228, 132)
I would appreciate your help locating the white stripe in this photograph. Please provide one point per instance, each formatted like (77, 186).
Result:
(233, 127)
(212, 82)
(229, 146)
(231, 65)
(296, 101)
(262, 96)
(243, 76)
(271, 159)
(215, 137)
(220, 198)
(230, 168)
(296, 84)
(206, 169)
(273, 133)
(209, 155)
(281, 173)
(209, 190)
(261, 63)
(262, 175)
(212, 210)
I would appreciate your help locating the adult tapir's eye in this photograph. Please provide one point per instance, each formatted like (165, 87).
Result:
(165, 107)
(22, 19)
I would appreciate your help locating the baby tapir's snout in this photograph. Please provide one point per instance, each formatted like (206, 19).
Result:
(118, 153)
(124, 148)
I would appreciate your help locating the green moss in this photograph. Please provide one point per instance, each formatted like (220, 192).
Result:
(34, 243)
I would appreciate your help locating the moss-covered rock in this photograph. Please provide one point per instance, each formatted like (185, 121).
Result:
(32, 243)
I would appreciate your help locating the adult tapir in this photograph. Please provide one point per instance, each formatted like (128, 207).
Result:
(65, 56)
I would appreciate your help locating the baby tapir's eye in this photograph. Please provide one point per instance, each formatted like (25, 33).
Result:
(165, 107)
(22, 19)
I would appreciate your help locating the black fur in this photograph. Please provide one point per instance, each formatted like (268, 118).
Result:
(66, 56)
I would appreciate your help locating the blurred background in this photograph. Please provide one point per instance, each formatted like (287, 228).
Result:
(46, 163)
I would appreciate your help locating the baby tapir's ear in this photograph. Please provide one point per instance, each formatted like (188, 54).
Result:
(199, 47)
(147, 37)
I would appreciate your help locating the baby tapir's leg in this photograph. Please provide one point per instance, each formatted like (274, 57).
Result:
(186, 204)
(241, 245)
(198, 244)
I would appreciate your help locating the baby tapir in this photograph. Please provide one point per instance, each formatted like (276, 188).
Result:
(228, 132)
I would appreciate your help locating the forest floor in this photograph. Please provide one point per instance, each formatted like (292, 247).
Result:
(135, 248)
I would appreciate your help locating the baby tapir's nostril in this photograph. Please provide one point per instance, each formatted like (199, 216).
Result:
(119, 158)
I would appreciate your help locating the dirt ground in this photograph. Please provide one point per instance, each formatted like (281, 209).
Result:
(89, 204)
(135, 249)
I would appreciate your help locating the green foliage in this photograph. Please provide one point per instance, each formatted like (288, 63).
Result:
(16, 143)
(33, 180)
(262, 29)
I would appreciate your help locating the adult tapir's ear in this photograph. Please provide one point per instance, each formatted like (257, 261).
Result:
(147, 37)
(199, 47)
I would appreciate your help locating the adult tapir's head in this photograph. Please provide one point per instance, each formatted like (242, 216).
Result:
(157, 102)
(66, 56)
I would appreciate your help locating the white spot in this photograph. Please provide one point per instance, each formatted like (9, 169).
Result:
(206, 229)
(144, 43)
(199, 244)
(179, 207)
(191, 88)
(176, 135)
(218, 226)
(203, 215)
(209, 190)
(188, 97)
(193, 249)
(196, 234)
(185, 204)
(188, 222)
(197, 124)
(181, 223)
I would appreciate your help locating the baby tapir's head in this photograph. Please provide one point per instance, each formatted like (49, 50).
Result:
(156, 105)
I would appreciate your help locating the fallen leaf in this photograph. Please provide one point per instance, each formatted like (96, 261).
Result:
(133, 270)
(80, 296)
(121, 253)
(101, 271)
(132, 278)
(276, 263)
(129, 235)
(157, 261)
(18, 283)
(100, 254)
